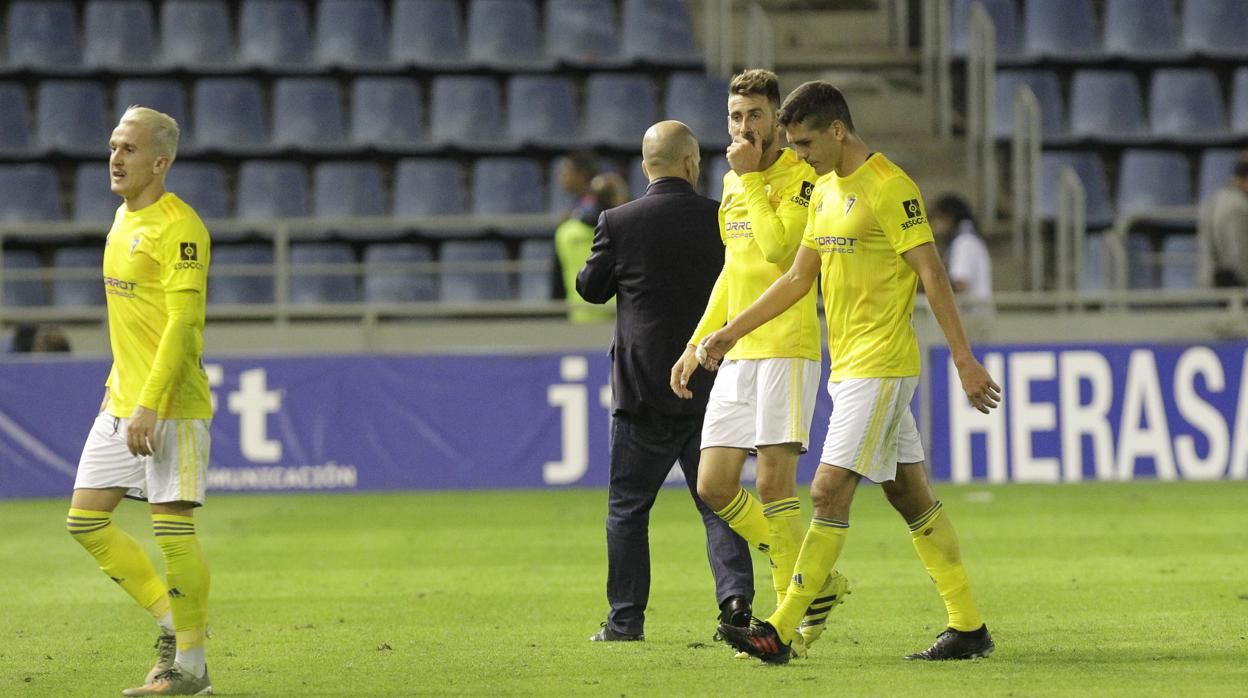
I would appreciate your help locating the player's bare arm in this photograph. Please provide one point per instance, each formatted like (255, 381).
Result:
(981, 390)
(779, 297)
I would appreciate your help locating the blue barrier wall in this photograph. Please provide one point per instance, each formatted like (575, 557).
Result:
(374, 423)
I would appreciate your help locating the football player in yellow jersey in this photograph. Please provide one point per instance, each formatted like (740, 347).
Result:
(868, 235)
(150, 440)
(764, 395)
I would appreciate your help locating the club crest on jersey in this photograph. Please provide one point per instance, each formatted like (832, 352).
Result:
(850, 200)
(134, 243)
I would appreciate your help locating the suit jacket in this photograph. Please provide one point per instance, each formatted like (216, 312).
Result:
(659, 256)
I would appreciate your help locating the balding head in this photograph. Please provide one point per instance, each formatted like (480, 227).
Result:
(669, 149)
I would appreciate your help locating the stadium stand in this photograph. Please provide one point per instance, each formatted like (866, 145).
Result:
(195, 33)
(475, 282)
(118, 34)
(273, 33)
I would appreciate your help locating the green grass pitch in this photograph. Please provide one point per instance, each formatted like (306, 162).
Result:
(1090, 590)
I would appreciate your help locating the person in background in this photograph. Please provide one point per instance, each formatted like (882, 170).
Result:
(575, 236)
(50, 340)
(1225, 217)
(966, 255)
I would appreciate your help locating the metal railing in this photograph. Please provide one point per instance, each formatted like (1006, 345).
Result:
(937, 82)
(1025, 183)
(1070, 230)
(760, 43)
(719, 27)
(981, 69)
(1116, 237)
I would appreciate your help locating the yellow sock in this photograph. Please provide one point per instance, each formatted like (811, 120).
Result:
(784, 526)
(187, 572)
(937, 545)
(745, 516)
(119, 556)
(816, 560)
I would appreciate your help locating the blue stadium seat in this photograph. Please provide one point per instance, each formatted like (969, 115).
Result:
(1105, 104)
(700, 102)
(229, 114)
(1044, 85)
(246, 288)
(504, 33)
(469, 286)
(582, 32)
(31, 193)
(15, 136)
(202, 186)
(541, 110)
(94, 200)
(429, 187)
(80, 291)
(455, 97)
(619, 108)
(1239, 102)
(537, 284)
(322, 287)
(270, 189)
(1151, 179)
(659, 32)
(43, 34)
(350, 33)
(1141, 262)
(1091, 172)
(195, 33)
(274, 33)
(1060, 29)
(637, 180)
(1216, 28)
(387, 113)
(1180, 262)
(1186, 105)
(427, 33)
(70, 117)
(28, 292)
(307, 114)
(389, 286)
(715, 171)
(507, 185)
(557, 200)
(347, 190)
(1140, 29)
(1004, 14)
(1216, 166)
(161, 94)
(120, 33)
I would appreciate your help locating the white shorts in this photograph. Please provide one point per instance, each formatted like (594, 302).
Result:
(871, 429)
(177, 470)
(761, 402)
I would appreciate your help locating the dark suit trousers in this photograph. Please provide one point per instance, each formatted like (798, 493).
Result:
(643, 450)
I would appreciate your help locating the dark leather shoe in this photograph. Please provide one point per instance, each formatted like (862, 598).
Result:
(607, 634)
(735, 610)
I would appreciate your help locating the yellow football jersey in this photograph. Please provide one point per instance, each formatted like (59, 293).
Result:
(152, 252)
(761, 220)
(860, 225)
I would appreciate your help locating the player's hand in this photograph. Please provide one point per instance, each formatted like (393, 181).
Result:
(682, 370)
(715, 346)
(141, 431)
(744, 155)
(981, 390)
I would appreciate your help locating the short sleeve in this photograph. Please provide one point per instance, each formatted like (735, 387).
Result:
(808, 236)
(902, 216)
(184, 256)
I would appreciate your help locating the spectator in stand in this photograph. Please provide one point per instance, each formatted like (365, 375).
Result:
(966, 255)
(575, 236)
(51, 340)
(1225, 217)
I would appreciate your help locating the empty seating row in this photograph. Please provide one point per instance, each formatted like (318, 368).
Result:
(232, 115)
(1066, 30)
(1184, 105)
(280, 34)
(1147, 179)
(271, 189)
(1176, 267)
(475, 270)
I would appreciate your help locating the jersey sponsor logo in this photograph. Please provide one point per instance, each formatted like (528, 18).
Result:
(835, 244)
(119, 284)
(808, 188)
(850, 200)
(189, 251)
(914, 213)
(738, 229)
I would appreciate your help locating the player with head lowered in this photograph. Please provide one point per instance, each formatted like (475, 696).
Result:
(869, 238)
(150, 440)
(764, 396)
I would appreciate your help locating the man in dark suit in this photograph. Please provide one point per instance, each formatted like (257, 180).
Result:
(659, 256)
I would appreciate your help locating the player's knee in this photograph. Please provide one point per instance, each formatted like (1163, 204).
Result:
(716, 495)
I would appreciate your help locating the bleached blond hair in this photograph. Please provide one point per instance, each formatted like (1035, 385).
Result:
(164, 128)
